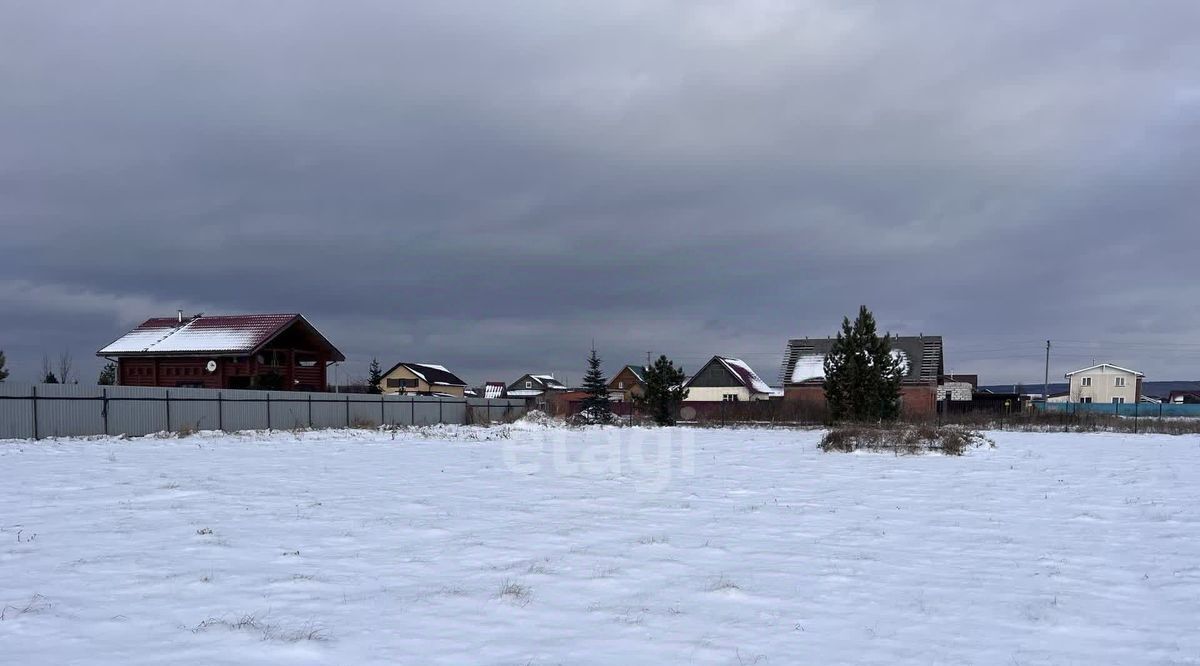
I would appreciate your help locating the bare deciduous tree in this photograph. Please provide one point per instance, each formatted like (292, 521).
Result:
(64, 367)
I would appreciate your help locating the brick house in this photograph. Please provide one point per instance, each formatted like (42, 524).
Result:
(803, 371)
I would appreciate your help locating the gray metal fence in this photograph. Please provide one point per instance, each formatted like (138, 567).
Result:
(70, 410)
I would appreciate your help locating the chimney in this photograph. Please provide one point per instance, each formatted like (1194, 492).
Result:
(181, 316)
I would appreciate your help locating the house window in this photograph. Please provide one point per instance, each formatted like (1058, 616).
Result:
(621, 386)
(1118, 401)
(1085, 400)
(401, 383)
(1085, 381)
(1119, 382)
(730, 397)
(528, 385)
(306, 360)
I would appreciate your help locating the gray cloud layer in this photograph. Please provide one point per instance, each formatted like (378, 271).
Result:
(493, 185)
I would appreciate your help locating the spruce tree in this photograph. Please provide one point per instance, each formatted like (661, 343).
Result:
(108, 375)
(596, 407)
(664, 391)
(50, 378)
(374, 377)
(3, 371)
(862, 378)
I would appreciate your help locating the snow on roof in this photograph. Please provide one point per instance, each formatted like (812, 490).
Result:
(808, 367)
(525, 393)
(744, 372)
(493, 390)
(1105, 365)
(220, 334)
(430, 373)
(811, 367)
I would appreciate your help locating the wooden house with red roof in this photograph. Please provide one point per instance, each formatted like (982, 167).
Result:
(265, 351)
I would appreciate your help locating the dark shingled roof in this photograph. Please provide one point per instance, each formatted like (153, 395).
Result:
(923, 354)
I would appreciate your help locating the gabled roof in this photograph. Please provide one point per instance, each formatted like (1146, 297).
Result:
(217, 335)
(741, 373)
(434, 375)
(638, 372)
(542, 382)
(804, 358)
(494, 390)
(1105, 365)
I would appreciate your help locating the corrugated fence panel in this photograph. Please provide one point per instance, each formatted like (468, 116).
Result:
(243, 410)
(16, 414)
(329, 411)
(427, 411)
(71, 410)
(77, 410)
(487, 411)
(398, 411)
(194, 409)
(364, 411)
(135, 411)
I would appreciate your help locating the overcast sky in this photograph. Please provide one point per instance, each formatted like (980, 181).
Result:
(493, 185)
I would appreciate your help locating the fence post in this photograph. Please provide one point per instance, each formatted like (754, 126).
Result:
(220, 412)
(347, 410)
(440, 411)
(1135, 417)
(309, 410)
(382, 412)
(104, 408)
(34, 399)
(268, 410)
(412, 408)
(168, 403)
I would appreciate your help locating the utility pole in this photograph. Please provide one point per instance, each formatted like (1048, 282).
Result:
(647, 360)
(1046, 381)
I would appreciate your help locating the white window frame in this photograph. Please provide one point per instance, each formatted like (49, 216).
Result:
(1118, 400)
(620, 386)
(1087, 399)
(1085, 382)
(1119, 382)
(528, 384)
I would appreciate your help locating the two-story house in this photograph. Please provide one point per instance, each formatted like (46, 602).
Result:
(1105, 383)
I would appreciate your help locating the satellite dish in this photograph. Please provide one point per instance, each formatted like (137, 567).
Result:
(211, 366)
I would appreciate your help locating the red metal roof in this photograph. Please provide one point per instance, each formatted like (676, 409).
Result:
(219, 334)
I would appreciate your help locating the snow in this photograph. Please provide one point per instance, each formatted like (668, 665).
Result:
(756, 383)
(809, 366)
(812, 366)
(524, 544)
(188, 337)
(434, 366)
(525, 393)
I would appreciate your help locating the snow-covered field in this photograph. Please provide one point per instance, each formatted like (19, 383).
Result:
(528, 545)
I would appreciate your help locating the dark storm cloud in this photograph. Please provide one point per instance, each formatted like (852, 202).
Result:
(493, 185)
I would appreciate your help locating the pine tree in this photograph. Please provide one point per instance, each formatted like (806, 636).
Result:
(50, 378)
(862, 377)
(375, 377)
(664, 391)
(596, 407)
(3, 371)
(108, 375)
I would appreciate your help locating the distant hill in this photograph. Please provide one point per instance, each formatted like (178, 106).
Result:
(1156, 389)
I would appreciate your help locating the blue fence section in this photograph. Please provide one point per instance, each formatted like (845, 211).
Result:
(1140, 409)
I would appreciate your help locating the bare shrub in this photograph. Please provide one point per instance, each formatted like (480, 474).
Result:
(264, 630)
(187, 430)
(515, 592)
(902, 439)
